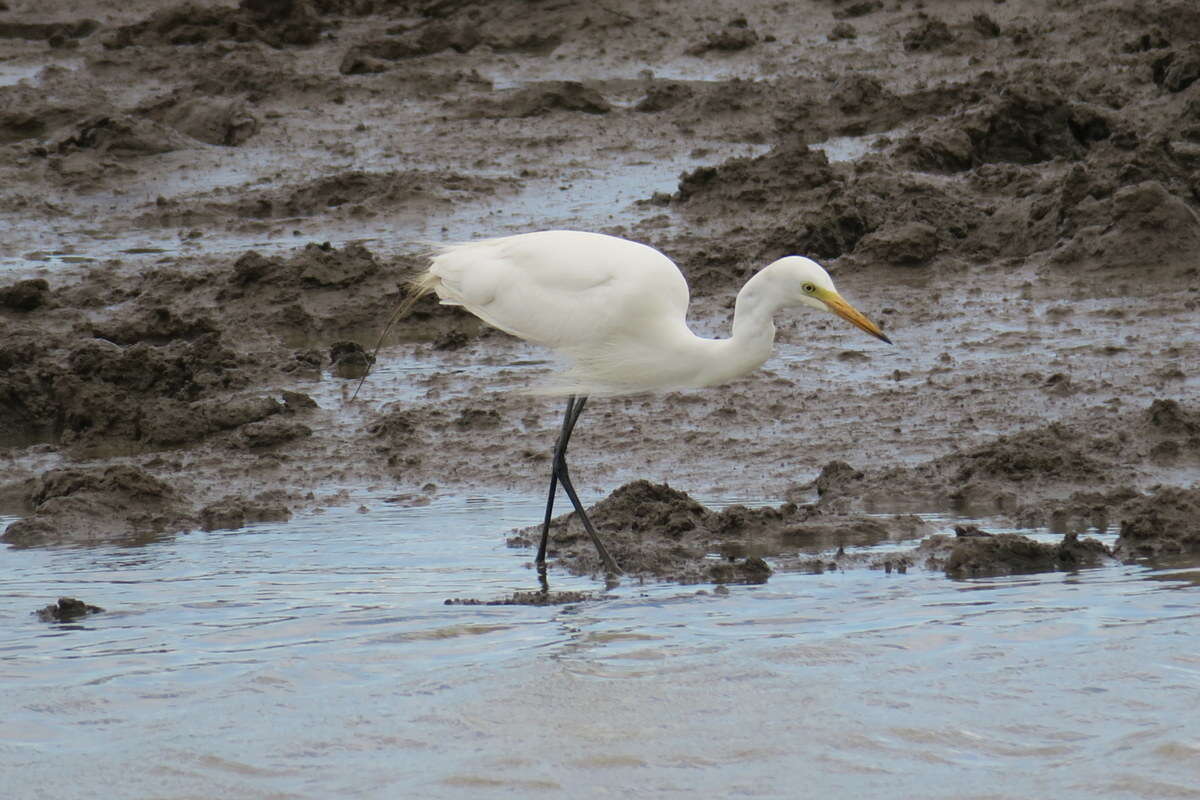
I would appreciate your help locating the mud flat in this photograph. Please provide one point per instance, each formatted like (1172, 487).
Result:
(1064, 477)
(209, 210)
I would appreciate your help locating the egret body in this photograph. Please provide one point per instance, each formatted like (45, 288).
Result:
(617, 311)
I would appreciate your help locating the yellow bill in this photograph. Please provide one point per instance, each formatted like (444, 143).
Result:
(839, 306)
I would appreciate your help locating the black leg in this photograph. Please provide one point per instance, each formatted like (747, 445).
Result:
(560, 447)
(559, 473)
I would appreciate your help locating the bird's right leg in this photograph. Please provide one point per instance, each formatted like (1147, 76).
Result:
(559, 473)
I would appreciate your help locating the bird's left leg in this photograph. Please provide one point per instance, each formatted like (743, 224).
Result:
(561, 474)
(560, 448)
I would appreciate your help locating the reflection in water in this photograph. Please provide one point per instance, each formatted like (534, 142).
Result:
(316, 659)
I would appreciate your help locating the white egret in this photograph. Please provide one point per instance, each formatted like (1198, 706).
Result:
(617, 311)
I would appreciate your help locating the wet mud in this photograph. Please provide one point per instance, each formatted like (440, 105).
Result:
(210, 209)
(981, 554)
(532, 598)
(658, 532)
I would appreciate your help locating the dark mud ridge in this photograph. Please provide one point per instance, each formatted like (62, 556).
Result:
(1052, 477)
(533, 598)
(656, 532)
(67, 609)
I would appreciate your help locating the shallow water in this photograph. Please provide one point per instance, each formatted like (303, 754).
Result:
(316, 659)
(601, 195)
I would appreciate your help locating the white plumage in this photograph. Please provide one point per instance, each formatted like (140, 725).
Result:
(617, 310)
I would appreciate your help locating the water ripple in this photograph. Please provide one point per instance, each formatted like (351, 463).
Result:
(317, 659)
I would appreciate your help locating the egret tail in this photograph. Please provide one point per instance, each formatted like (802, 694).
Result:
(414, 291)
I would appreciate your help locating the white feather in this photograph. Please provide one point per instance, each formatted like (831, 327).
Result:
(614, 308)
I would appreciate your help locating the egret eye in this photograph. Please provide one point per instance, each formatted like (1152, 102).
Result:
(808, 288)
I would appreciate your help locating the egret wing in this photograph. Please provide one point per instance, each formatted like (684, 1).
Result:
(568, 290)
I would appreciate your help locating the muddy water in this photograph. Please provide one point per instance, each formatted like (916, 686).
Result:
(1072, 685)
(584, 192)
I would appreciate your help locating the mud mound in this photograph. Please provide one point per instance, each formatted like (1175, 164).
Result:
(67, 609)
(121, 136)
(805, 205)
(1141, 226)
(182, 370)
(1163, 523)
(423, 40)
(155, 324)
(271, 432)
(773, 179)
(367, 194)
(906, 244)
(324, 294)
(1178, 69)
(81, 505)
(932, 34)
(498, 31)
(1024, 164)
(661, 97)
(1028, 124)
(1112, 21)
(1168, 418)
(1028, 473)
(27, 295)
(1047, 454)
(224, 122)
(53, 32)
(316, 266)
(837, 478)
(540, 99)
(737, 35)
(349, 360)
(232, 512)
(728, 110)
(651, 530)
(1159, 523)
(320, 295)
(655, 531)
(546, 598)
(104, 389)
(984, 554)
(156, 364)
(30, 112)
(164, 422)
(273, 22)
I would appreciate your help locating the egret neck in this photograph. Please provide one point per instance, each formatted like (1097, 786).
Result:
(753, 333)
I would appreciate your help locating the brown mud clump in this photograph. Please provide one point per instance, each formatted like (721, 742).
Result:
(67, 609)
(546, 598)
(118, 503)
(273, 22)
(27, 295)
(654, 531)
(977, 554)
(1164, 523)
(232, 512)
(1028, 474)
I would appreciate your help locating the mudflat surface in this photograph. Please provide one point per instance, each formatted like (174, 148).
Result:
(208, 211)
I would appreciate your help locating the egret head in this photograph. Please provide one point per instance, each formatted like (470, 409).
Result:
(809, 284)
